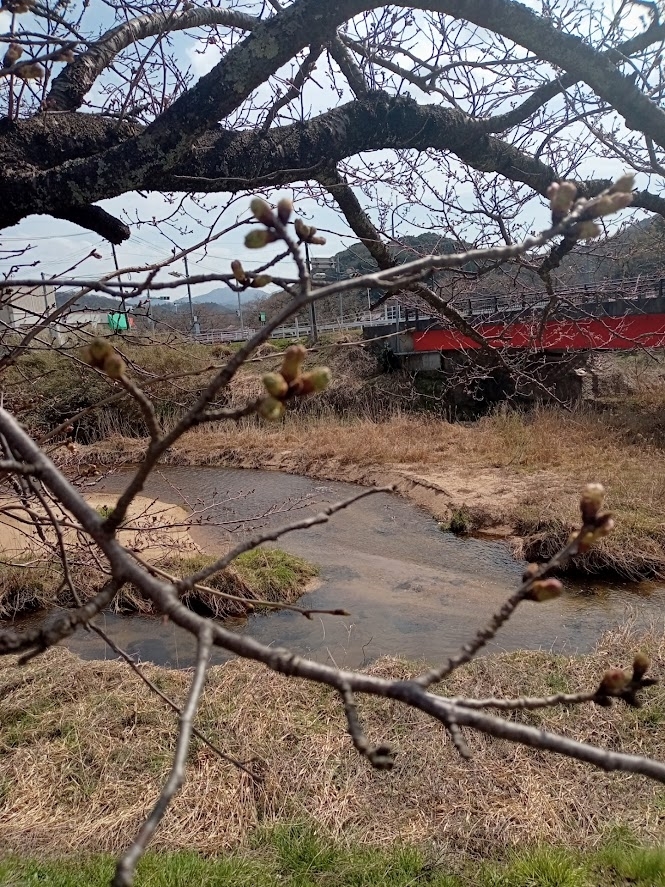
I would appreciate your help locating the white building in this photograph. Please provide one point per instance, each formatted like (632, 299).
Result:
(22, 306)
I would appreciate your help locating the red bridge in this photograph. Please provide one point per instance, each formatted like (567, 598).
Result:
(618, 315)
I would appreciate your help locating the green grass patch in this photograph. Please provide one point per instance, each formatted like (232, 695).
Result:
(264, 574)
(540, 867)
(274, 574)
(299, 855)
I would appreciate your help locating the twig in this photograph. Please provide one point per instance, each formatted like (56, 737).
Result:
(146, 406)
(381, 757)
(57, 626)
(124, 874)
(468, 651)
(528, 703)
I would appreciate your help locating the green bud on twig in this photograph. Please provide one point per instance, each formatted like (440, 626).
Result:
(238, 271)
(100, 354)
(641, 664)
(114, 366)
(262, 211)
(316, 380)
(271, 409)
(302, 230)
(292, 362)
(257, 238)
(96, 352)
(275, 384)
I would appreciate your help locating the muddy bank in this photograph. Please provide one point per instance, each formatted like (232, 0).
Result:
(496, 502)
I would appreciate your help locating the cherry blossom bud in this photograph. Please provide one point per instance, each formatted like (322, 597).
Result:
(303, 231)
(293, 361)
(623, 185)
(238, 271)
(613, 682)
(13, 54)
(591, 501)
(114, 366)
(530, 572)
(30, 72)
(602, 206)
(316, 380)
(284, 209)
(587, 230)
(262, 211)
(621, 201)
(641, 664)
(271, 409)
(65, 56)
(544, 590)
(258, 238)
(561, 197)
(275, 384)
(96, 352)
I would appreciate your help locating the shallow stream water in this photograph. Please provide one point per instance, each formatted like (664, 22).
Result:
(412, 590)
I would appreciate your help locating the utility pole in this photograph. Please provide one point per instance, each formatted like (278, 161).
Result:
(53, 333)
(242, 326)
(123, 307)
(194, 323)
(313, 331)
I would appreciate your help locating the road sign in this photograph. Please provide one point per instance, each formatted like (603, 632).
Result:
(323, 264)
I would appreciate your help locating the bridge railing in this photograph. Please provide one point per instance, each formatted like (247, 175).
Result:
(634, 289)
(627, 290)
(214, 337)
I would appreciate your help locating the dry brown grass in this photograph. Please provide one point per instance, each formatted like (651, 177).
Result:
(84, 748)
(516, 470)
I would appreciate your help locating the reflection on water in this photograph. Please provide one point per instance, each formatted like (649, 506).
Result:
(412, 590)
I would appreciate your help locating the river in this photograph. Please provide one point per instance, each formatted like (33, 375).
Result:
(412, 591)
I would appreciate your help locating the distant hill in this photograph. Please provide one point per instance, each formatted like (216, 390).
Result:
(225, 297)
(357, 257)
(98, 303)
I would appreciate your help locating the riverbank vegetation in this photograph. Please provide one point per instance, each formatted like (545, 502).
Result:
(262, 575)
(86, 746)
